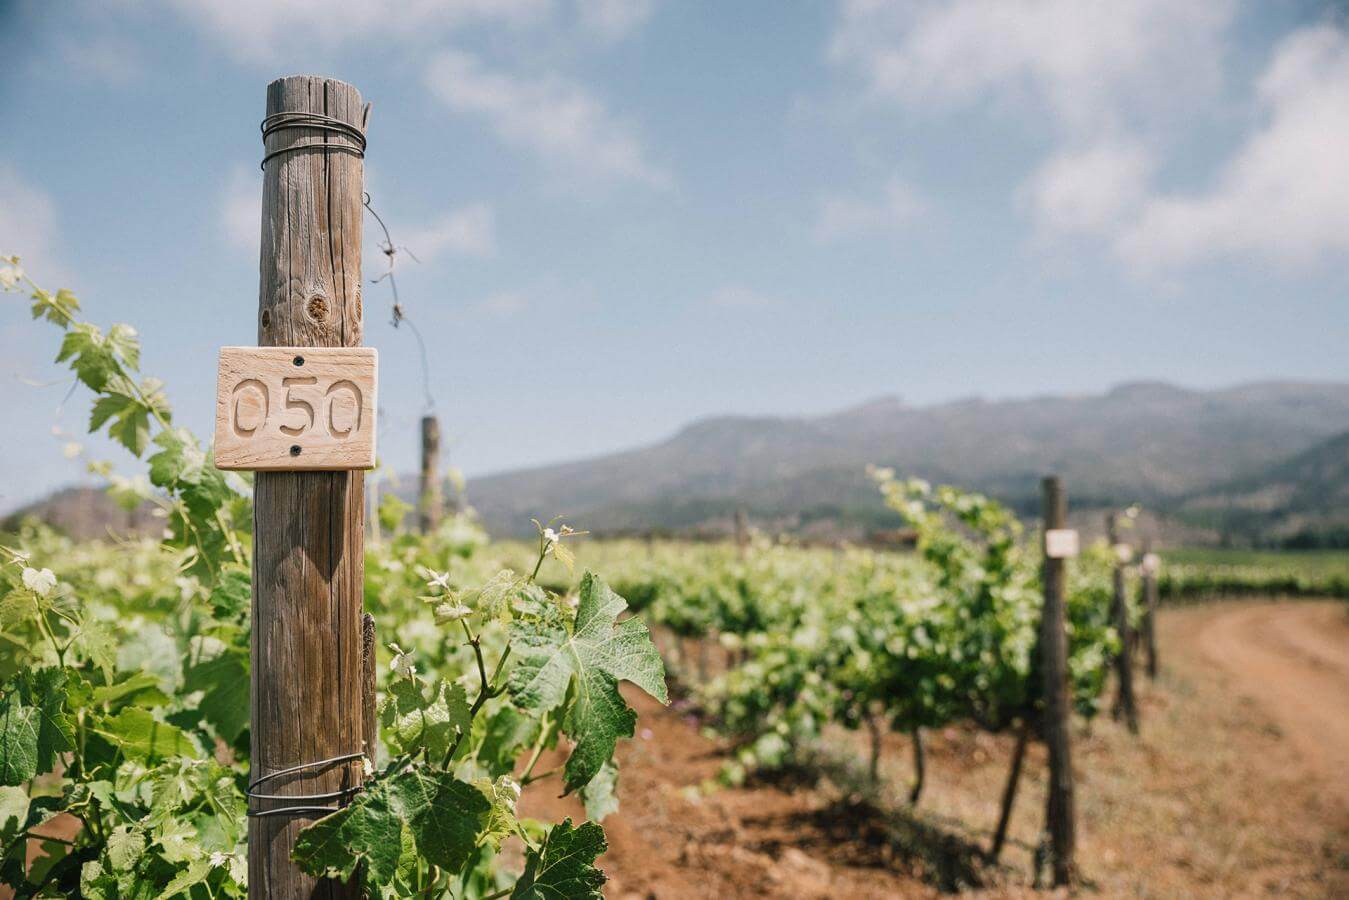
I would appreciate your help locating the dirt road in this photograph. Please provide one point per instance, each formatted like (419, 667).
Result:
(1234, 788)
(1293, 659)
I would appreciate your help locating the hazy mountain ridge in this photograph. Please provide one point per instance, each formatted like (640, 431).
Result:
(1147, 441)
(1302, 501)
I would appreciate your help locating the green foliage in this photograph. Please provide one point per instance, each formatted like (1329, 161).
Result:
(586, 662)
(565, 865)
(1196, 574)
(443, 815)
(813, 637)
(124, 688)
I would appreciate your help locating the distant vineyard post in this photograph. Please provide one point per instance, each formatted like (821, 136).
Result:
(308, 704)
(1149, 590)
(1009, 790)
(1124, 661)
(430, 505)
(1060, 820)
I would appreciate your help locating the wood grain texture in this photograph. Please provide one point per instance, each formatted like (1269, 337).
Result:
(1125, 706)
(1149, 568)
(369, 682)
(430, 505)
(308, 565)
(296, 409)
(1060, 815)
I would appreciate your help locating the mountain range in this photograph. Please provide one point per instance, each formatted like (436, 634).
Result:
(1201, 455)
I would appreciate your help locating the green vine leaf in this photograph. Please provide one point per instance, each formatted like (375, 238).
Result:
(220, 671)
(601, 794)
(140, 736)
(565, 865)
(18, 741)
(417, 722)
(443, 814)
(34, 728)
(597, 654)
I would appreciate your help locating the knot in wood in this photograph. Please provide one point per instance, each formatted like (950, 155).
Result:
(317, 307)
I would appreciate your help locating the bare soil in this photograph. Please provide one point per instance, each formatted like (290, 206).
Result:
(1237, 787)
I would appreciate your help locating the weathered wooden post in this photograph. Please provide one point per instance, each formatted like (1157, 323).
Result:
(1124, 660)
(1023, 733)
(741, 531)
(430, 505)
(1149, 567)
(1059, 544)
(305, 419)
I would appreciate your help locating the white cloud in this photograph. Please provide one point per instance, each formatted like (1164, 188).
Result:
(1115, 84)
(28, 227)
(467, 231)
(1089, 63)
(897, 205)
(1088, 191)
(556, 119)
(738, 297)
(1284, 194)
(241, 209)
(268, 30)
(614, 19)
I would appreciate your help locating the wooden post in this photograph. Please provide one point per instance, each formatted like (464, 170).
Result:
(430, 506)
(1009, 791)
(741, 531)
(1059, 816)
(1150, 609)
(308, 559)
(369, 724)
(1124, 660)
(919, 767)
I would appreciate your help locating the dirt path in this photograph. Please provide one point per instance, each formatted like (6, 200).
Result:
(1293, 659)
(1234, 789)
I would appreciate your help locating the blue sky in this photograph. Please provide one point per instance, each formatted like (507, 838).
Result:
(632, 214)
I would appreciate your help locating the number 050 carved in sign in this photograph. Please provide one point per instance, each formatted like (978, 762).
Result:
(296, 408)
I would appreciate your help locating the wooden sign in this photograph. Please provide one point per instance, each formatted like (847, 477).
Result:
(296, 408)
(1061, 543)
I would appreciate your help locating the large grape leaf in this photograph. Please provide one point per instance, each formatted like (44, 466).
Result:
(220, 672)
(368, 830)
(506, 731)
(34, 729)
(598, 653)
(443, 814)
(601, 794)
(18, 741)
(46, 690)
(141, 688)
(565, 865)
(416, 721)
(13, 811)
(142, 737)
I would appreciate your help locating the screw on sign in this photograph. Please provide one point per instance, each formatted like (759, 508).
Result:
(281, 410)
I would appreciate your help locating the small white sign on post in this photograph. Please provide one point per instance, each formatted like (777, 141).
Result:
(298, 409)
(1061, 543)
